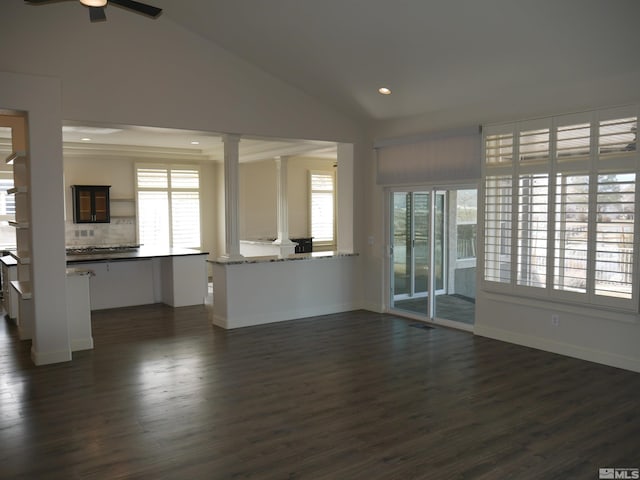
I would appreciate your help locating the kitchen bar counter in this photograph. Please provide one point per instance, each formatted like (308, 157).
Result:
(276, 258)
(174, 276)
(256, 290)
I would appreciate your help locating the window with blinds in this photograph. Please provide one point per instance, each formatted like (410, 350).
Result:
(7, 211)
(168, 206)
(572, 217)
(615, 212)
(497, 228)
(532, 230)
(499, 149)
(573, 142)
(322, 201)
(534, 146)
(571, 228)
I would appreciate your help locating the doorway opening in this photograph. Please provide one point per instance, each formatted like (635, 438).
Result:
(433, 254)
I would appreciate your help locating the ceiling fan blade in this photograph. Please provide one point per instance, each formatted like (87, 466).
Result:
(138, 7)
(96, 14)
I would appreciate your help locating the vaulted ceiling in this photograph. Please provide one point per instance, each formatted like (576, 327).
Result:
(434, 55)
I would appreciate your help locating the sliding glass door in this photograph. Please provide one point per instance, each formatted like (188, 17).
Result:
(410, 247)
(432, 261)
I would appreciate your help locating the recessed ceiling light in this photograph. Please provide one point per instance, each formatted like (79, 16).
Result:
(85, 139)
(384, 91)
(195, 142)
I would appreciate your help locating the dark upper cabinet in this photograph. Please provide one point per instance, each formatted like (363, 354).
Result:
(91, 203)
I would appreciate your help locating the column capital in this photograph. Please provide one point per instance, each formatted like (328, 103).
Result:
(231, 137)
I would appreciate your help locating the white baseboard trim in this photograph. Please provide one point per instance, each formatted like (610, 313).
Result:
(45, 358)
(373, 307)
(81, 344)
(561, 348)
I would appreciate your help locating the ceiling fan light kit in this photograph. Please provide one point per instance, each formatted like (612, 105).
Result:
(94, 3)
(96, 7)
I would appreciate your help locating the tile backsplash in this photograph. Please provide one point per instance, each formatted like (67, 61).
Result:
(121, 231)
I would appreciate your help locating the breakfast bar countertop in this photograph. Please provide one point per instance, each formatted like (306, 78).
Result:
(142, 253)
(276, 258)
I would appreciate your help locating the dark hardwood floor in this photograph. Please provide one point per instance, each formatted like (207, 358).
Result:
(165, 395)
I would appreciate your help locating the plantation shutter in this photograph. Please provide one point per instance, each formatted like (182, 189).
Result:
(571, 232)
(570, 182)
(168, 206)
(497, 228)
(322, 207)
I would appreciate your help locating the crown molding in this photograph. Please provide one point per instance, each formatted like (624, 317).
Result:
(71, 150)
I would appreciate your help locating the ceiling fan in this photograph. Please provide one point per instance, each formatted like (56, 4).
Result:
(96, 7)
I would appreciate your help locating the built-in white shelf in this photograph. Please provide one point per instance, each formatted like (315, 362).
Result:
(19, 224)
(15, 156)
(23, 288)
(23, 258)
(20, 189)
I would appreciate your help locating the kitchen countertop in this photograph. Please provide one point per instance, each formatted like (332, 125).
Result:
(141, 253)
(273, 258)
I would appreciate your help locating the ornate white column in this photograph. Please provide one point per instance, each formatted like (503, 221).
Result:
(231, 194)
(287, 246)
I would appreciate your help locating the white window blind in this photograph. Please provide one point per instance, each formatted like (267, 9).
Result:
(168, 206)
(499, 149)
(322, 207)
(444, 156)
(7, 201)
(497, 236)
(573, 141)
(571, 228)
(7, 211)
(153, 218)
(532, 230)
(574, 210)
(534, 146)
(617, 136)
(615, 208)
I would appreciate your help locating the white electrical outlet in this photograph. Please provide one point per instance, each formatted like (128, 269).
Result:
(555, 319)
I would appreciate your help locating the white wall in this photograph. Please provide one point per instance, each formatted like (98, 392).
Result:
(590, 334)
(258, 196)
(137, 71)
(257, 200)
